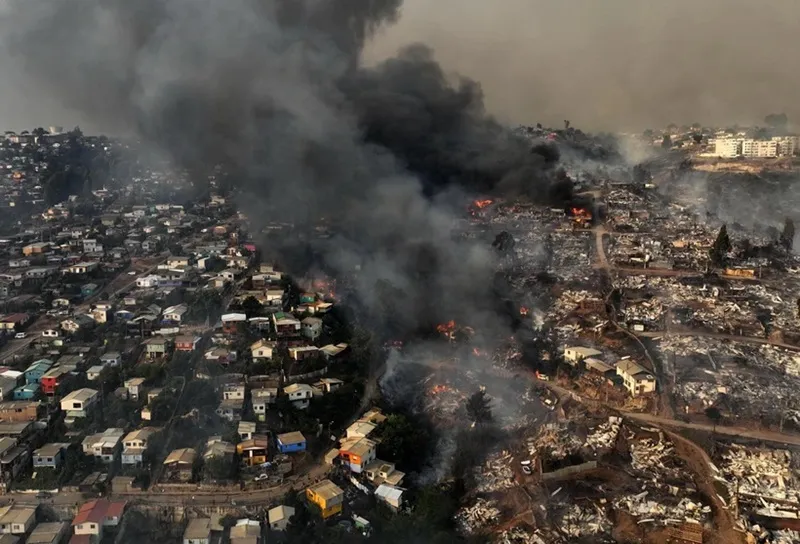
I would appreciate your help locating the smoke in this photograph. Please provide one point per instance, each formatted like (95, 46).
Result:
(274, 90)
(613, 65)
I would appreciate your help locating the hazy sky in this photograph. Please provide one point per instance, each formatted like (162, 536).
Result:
(610, 64)
(614, 64)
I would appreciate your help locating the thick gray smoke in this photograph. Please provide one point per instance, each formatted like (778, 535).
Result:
(615, 64)
(274, 90)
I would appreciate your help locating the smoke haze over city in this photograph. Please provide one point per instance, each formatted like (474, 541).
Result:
(613, 65)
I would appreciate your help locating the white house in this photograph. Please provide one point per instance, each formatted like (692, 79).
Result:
(175, 313)
(78, 403)
(299, 394)
(312, 327)
(97, 515)
(112, 358)
(82, 267)
(147, 282)
(233, 392)
(134, 444)
(279, 517)
(262, 350)
(637, 379)
(104, 446)
(576, 354)
(17, 520)
(274, 296)
(91, 245)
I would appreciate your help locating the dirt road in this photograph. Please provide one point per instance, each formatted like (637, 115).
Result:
(721, 336)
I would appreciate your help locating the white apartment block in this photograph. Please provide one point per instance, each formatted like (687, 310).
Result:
(778, 146)
(759, 148)
(787, 145)
(728, 148)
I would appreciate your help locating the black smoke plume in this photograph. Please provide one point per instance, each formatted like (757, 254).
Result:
(274, 91)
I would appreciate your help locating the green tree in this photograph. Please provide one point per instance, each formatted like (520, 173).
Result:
(666, 141)
(722, 245)
(251, 306)
(787, 234)
(162, 408)
(479, 409)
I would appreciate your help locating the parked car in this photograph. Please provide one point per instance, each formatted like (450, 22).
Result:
(20, 335)
(526, 467)
(260, 477)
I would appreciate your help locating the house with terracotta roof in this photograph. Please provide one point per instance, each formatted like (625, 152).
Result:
(95, 517)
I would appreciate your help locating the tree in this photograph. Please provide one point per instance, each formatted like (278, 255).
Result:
(787, 235)
(722, 245)
(713, 413)
(666, 142)
(251, 306)
(402, 439)
(162, 407)
(479, 408)
(697, 137)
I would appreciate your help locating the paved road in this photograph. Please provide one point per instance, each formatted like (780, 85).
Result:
(196, 498)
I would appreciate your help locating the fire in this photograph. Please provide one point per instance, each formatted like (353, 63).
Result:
(480, 204)
(439, 388)
(581, 213)
(523, 310)
(446, 328)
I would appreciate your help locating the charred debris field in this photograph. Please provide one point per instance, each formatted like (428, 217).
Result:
(618, 368)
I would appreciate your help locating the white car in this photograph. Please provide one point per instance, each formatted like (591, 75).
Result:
(20, 335)
(526, 467)
(260, 478)
(132, 273)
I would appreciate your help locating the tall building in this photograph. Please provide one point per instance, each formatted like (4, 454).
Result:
(728, 148)
(787, 145)
(759, 148)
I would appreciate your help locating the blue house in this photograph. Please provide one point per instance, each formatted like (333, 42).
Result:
(291, 442)
(34, 373)
(26, 392)
(50, 456)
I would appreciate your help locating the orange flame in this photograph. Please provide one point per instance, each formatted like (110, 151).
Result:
(446, 328)
(480, 204)
(523, 310)
(581, 213)
(439, 389)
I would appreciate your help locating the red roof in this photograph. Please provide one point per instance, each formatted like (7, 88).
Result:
(98, 511)
(81, 539)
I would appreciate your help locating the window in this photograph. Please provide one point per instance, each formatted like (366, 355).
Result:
(76, 405)
(93, 526)
(49, 459)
